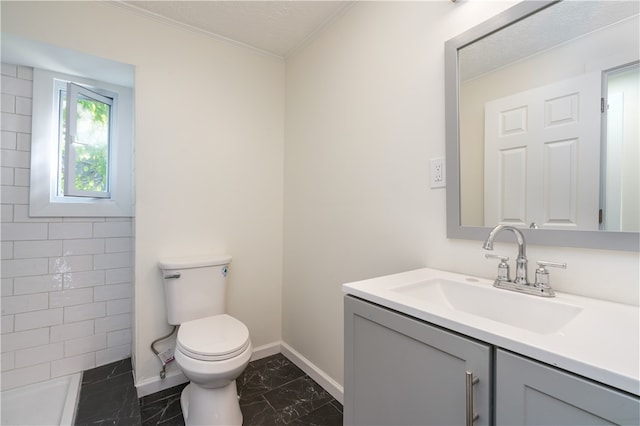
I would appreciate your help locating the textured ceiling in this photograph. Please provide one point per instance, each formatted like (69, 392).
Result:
(552, 26)
(275, 27)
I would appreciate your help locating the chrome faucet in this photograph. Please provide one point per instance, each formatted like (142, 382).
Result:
(521, 260)
(521, 282)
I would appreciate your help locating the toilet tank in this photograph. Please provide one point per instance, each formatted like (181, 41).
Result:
(194, 287)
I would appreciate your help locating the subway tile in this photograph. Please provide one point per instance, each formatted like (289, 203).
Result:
(84, 246)
(59, 299)
(8, 140)
(114, 245)
(119, 275)
(38, 319)
(22, 177)
(13, 158)
(113, 260)
(83, 279)
(23, 142)
(113, 291)
(70, 230)
(118, 338)
(113, 354)
(38, 355)
(74, 364)
(31, 249)
(74, 330)
(17, 86)
(65, 264)
(8, 103)
(6, 213)
(118, 306)
(37, 284)
(84, 312)
(85, 344)
(6, 286)
(26, 303)
(7, 361)
(24, 231)
(9, 70)
(14, 195)
(23, 105)
(72, 219)
(6, 323)
(6, 250)
(24, 339)
(15, 123)
(25, 376)
(6, 176)
(25, 73)
(113, 229)
(24, 267)
(113, 323)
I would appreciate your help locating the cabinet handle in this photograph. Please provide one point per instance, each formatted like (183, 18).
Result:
(470, 380)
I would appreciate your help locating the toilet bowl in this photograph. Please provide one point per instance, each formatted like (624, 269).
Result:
(212, 352)
(212, 347)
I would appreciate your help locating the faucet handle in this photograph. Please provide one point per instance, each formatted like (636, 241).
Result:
(503, 267)
(542, 275)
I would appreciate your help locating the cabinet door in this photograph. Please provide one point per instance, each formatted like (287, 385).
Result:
(532, 393)
(401, 371)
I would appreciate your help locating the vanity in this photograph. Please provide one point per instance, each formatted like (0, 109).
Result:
(434, 347)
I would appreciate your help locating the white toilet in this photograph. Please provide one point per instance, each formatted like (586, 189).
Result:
(212, 348)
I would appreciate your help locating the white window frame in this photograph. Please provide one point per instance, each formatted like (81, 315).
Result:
(73, 93)
(44, 200)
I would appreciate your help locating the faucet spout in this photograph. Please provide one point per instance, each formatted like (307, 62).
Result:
(521, 261)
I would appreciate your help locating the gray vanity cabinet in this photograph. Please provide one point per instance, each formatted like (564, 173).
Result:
(532, 393)
(401, 371)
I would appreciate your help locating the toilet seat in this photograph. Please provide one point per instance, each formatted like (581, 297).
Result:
(213, 338)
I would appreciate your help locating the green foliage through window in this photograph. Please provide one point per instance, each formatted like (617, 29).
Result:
(90, 144)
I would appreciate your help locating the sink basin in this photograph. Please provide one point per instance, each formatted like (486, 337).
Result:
(544, 316)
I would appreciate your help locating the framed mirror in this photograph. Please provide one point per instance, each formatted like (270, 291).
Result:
(542, 125)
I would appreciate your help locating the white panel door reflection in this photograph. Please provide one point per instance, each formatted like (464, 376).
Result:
(542, 156)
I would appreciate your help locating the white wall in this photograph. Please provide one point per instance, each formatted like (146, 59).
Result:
(209, 155)
(365, 113)
(67, 291)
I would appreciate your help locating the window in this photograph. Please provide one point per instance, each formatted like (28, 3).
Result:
(81, 155)
(84, 129)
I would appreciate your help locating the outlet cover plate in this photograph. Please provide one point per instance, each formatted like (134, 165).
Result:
(438, 176)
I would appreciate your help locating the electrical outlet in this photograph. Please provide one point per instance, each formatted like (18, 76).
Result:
(437, 173)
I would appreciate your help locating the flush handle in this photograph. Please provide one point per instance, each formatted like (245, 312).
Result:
(172, 276)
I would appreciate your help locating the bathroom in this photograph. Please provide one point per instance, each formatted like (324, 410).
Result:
(311, 172)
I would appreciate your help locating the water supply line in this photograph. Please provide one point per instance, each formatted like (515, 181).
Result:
(163, 359)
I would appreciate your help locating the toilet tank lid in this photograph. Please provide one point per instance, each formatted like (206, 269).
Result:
(194, 261)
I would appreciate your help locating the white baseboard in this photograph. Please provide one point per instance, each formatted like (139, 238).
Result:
(156, 384)
(175, 378)
(334, 388)
(265, 351)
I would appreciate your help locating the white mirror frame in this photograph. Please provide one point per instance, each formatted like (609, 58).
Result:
(606, 240)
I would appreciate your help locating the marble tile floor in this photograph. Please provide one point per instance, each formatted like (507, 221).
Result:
(273, 391)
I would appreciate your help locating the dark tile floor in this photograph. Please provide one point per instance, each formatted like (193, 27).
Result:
(273, 391)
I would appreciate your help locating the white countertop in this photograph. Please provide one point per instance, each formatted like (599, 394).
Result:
(602, 342)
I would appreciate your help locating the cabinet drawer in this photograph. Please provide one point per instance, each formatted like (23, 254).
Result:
(532, 393)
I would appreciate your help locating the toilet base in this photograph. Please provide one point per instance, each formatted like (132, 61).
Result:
(219, 406)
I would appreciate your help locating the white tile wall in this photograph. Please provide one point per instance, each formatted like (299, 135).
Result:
(66, 282)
